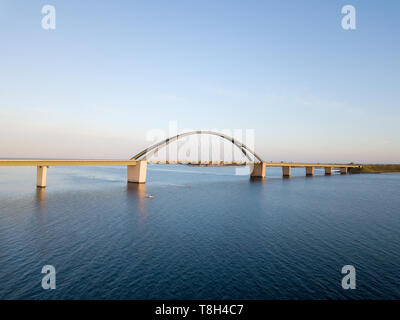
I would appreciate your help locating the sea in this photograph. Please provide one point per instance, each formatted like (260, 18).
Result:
(198, 233)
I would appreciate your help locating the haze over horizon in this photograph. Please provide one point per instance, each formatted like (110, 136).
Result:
(108, 74)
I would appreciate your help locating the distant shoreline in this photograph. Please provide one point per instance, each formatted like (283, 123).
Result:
(377, 168)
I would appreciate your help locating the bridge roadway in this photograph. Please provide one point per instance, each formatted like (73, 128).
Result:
(137, 169)
(38, 163)
(246, 163)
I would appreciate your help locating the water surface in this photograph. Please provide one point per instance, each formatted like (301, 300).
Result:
(206, 234)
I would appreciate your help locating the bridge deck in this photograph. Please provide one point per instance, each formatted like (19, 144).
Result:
(12, 163)
(268, 164)
(136, 170)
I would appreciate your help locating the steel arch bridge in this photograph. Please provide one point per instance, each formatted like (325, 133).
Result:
(137, 165)
(148, 152)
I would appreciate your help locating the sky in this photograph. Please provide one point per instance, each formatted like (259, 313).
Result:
(113, 71)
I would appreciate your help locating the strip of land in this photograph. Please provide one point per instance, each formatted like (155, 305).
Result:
(376, 168)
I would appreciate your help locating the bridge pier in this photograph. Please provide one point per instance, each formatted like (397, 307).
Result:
(41, 176)
(286, 171)
(328, 171)
(343, 170)
(309, 171)
(137, 173)
(259, 170)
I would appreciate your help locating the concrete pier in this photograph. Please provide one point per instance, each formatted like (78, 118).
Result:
(259, 170)
(41, 176)
(328, 171)
(286, 171)
(137, 173)
(309, 171)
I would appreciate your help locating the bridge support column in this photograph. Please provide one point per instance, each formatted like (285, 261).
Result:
(41, 176)
(328, 171)
(137, 173)
(309, 171)
(286, 171)
(343, 170)
(259, 170)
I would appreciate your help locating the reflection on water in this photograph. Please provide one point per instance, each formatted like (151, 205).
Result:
(138, 192)
(41, 196)
(257, 180)
(41, 202)
(198, 233)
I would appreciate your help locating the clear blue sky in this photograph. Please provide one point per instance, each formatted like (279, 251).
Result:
(113, 70)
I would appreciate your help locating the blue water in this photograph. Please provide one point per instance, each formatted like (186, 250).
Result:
(206, 234)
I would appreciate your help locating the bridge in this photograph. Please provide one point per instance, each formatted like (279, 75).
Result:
(137, 165)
